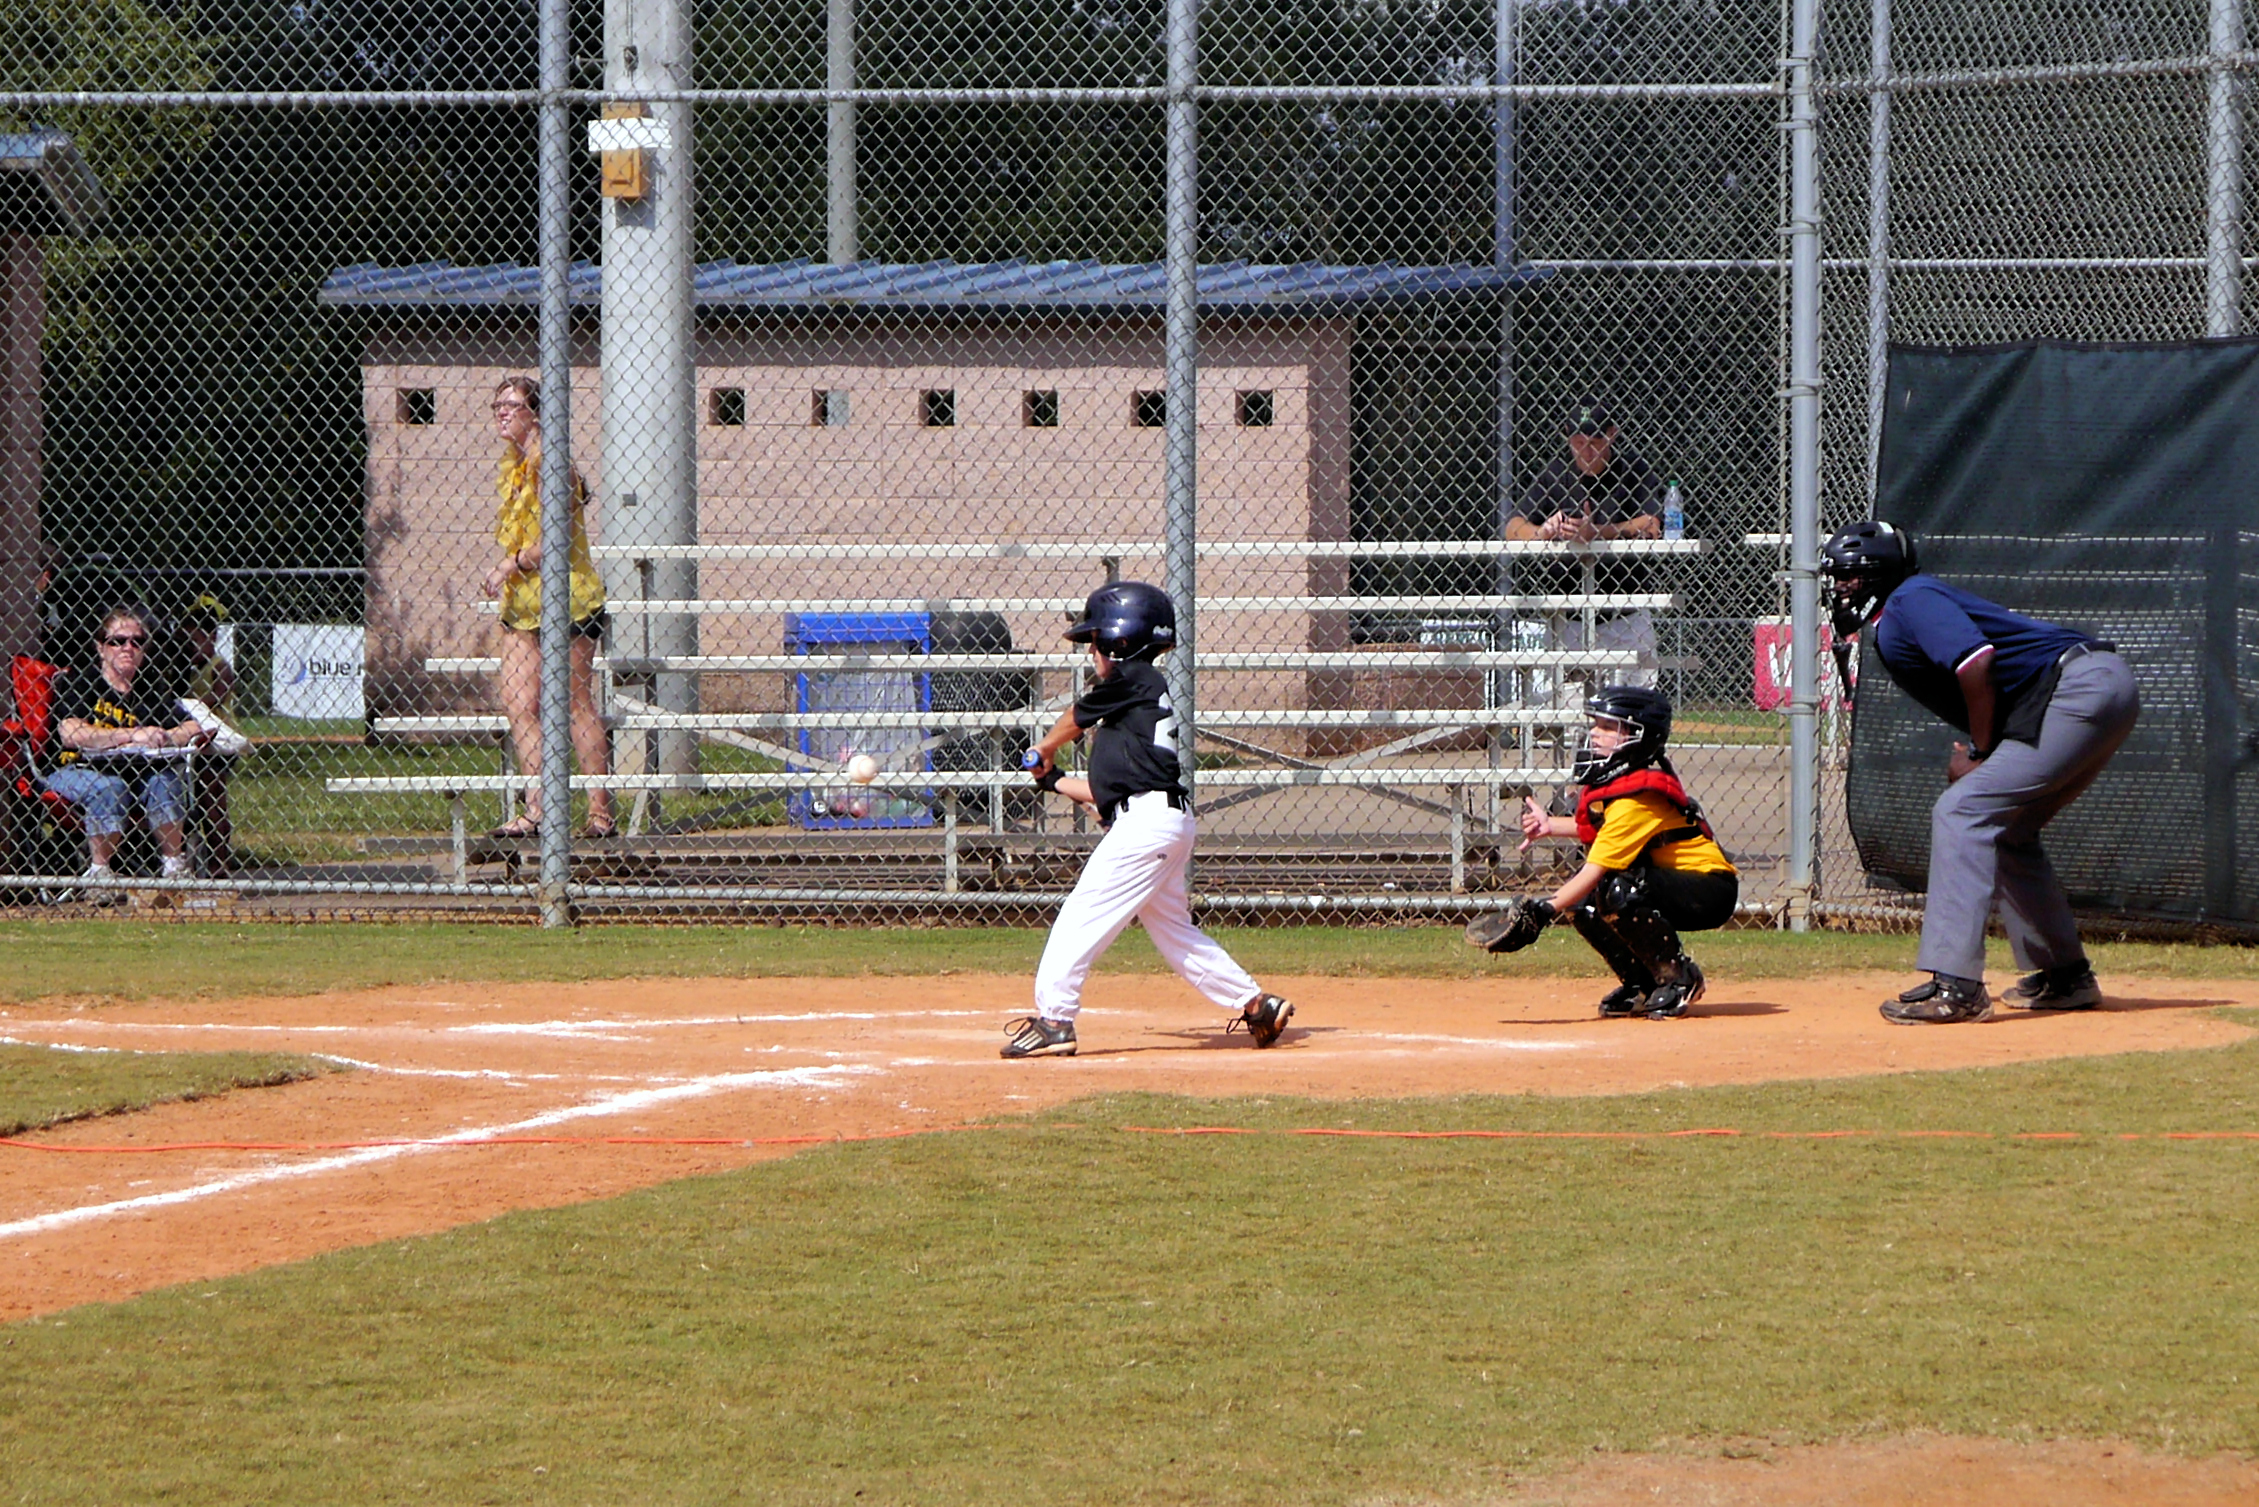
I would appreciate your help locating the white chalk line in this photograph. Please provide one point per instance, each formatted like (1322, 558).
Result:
(62, 1046)
(1492, 1043)
(562, 1029)
(504, 1075)
(613, 1104)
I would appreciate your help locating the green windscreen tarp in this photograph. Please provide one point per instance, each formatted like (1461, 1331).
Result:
(2114, 488)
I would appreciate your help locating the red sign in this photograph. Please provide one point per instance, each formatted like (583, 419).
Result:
(1770, 685)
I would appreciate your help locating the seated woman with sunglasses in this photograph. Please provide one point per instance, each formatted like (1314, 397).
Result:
(112, 735)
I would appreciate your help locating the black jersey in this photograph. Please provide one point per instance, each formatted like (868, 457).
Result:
(1628, 489)
(1133, 748)
(86, 696)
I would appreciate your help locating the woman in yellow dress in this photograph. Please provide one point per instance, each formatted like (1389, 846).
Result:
(516, 582)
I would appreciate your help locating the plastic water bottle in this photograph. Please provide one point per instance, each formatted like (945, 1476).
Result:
(1674, 513)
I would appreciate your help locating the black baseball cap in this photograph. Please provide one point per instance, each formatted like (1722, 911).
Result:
(1591, 416)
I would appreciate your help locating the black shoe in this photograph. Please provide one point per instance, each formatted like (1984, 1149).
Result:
(1670, 998)
(1033, 1036)
(1944, 1001)
(1624, 1001)
(1265, 1019)
(2073, 987)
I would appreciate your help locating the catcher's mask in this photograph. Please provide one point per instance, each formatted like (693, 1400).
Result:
(1127, 620)
(1644, 716)
(1864, 564)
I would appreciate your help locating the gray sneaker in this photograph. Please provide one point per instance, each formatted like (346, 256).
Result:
(1944, 1001)
(99, 886)
(2073, 987)
(1033, 1036)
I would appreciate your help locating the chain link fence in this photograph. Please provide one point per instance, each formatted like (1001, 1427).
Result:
(697, 396)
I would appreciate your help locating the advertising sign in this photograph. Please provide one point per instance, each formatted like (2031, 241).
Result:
(317, 671)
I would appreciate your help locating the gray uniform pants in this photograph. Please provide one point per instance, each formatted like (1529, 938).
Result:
(1984, 830)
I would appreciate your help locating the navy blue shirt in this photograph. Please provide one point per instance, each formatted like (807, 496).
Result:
(1134, 748)
(1928, 630)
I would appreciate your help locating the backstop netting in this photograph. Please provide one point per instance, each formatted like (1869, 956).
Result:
(880, 334)
(2109, 489)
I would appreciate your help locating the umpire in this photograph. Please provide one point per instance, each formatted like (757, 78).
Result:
(2045, 707)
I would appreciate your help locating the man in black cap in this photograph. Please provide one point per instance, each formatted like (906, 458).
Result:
(1600, 490)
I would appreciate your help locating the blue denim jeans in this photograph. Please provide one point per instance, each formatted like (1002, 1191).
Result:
(103, 798)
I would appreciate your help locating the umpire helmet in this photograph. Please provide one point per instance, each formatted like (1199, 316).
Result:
(1866, 562)
(1646, 718)
(1128, 620)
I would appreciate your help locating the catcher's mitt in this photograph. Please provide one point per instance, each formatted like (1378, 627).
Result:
(1511, 929)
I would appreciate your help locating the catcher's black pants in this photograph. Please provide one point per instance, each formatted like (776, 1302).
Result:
(1634, 919)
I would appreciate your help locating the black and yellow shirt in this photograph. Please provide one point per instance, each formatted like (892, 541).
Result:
(1630, 822)
(87, 696)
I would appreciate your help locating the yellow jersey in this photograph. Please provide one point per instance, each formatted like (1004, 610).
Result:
(1631, 822)
(519, 527)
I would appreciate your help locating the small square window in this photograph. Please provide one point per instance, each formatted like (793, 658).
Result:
(416, 406)
(939, 406)
(830, 409)
(725, 408)
(1040, 409)
(1256, 409)
(1151, 411)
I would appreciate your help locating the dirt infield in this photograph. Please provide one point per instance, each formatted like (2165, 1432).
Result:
(746, 1060)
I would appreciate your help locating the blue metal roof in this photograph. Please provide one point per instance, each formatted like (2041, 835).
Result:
(939, 287)
(46, 187)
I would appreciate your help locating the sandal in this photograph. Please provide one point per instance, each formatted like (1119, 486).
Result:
(598, 831)
(523, 826)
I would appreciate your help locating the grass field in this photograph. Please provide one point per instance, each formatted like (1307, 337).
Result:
(42, 1086)
(1064, 1311)
(189, 960)
(1067, 1308)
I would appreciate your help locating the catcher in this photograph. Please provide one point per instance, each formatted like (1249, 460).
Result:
(1652, 866)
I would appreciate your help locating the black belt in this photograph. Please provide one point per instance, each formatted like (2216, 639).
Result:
(1177, 802)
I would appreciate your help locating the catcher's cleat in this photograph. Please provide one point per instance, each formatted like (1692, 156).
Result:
(1669, 999)
(1033, 1036)
(2069, 988)
(1944, 1001)
(1624, 1001)
(1265, 1018)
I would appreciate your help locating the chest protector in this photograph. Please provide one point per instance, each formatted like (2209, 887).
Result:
(1592, 807)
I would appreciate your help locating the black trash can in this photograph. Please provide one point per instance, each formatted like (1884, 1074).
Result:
(982, 691)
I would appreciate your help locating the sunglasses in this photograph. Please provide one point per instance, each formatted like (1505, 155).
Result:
(125, 640)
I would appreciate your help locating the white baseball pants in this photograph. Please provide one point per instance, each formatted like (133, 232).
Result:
(1136, 873)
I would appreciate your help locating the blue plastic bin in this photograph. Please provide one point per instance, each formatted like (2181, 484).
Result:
(834, 804)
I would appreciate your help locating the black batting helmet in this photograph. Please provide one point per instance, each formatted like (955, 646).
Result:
(1646, 716)
(1127, 620)
(1866, 562)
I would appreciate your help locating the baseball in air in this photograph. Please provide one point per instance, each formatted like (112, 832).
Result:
(862, 769)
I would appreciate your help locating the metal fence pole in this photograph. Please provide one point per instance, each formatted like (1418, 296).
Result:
(1181, 357)
(1502, 253)
(2223, 196)
(1878, 240)
(648, 356)
(843, 233)
(1804, 460)
(556, 336)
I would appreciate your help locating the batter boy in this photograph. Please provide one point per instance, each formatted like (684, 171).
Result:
(1137, 871)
